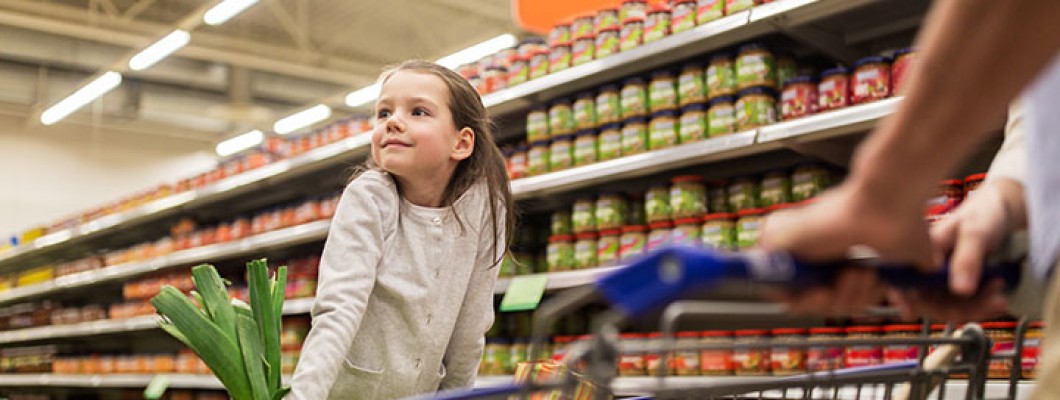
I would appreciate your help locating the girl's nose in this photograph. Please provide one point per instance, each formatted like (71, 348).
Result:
(395, 123)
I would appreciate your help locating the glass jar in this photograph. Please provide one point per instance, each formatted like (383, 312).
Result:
(686, 232)
(783, 358)
(528, 46)
(610, 211)
(755, 107)
(808, 181)
(495, 78)
(776, 189)
(585, 151)
(634, 100)
(660, 234)
(585, 251)
(631, 35)
(634, 136)
(657, 203)
(662, 132)
(688, 196)
(583, 50)
(709, 10)
(1032, 344)
(799, 98)
(683, 16)
(562, 224)
(903, 60)
(635, 214)
(584, 111)
(537, 159)
(583, 215)
(863, 355)
(685, 362)
(560, 118)
(653, 359)
(633, 242)
(560, 57)
(751, 361)
(721, 76)
(871, 80)
(657, 23)
(693, 123)
(1003, 336)
(825, 358)
(755, 66)
(560, 33)
(893, 353)
(691, 84)
(632, 364)
(539, 64)
(834, 90)
(721, 116)
(716, 362)
(719, 231)
(607, 248)
(718, 197)
(662, 92)
(610, 139)
(561, 153)
(517, 163)
(519, 352)
(743, 194)
(519, 71)
(582, 26)
(560, 253)
(748, 227)
(537, 124)
(608, 42)
(606, 18)
(632, 9)
(972, 183)
(608, 105)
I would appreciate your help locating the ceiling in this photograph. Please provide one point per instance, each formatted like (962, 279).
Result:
(276, 57)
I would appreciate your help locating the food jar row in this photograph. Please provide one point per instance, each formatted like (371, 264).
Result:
(871, 78)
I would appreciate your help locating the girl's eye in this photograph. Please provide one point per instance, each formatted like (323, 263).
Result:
(420, 111)
(382, 114)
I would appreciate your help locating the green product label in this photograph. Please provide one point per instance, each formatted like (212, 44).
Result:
(537, 126)
(722, 120)
(755, 112)
(518, 73)
(561, 223)
(663, 95)
(693, 126)
(735, 6)
(631, 36)
(560, 256)
(518, 354)
(709, 10)
(585, 150)
(561, 155)
(584, 217)
(610, 214)
(585, 254)
(721, 79)
(719, 235)
(748, 231)
(656, 27)
(776, 190)
(559, 59)
(634, 101)
(561, 120)
(663, 133)
(583, 52)
(537, 160)
(538, 66)
(585, 113)
(607, 250)
(684, 17)
(755, 70)
(610, 144)
(691, 88)
(687, 202)
(607, 108)
(634, 139)
(742, 196)
(607, 43)
(657, 205)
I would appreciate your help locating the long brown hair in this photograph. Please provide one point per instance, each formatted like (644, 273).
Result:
(486, 161)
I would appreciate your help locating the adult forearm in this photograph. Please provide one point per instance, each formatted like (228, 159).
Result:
(974, 56)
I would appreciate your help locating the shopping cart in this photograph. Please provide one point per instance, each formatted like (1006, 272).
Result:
(658, 280)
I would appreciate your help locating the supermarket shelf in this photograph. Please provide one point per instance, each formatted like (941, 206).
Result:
(176, 381)
(844, 121)
(562, 280)
(955, 389)
(317, 158)
(316, 230)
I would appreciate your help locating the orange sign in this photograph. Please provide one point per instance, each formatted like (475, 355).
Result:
(538, 16)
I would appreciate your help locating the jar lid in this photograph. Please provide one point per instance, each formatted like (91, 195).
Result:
(663, 73)
(825, 330)
(757, 90)
(715, 333)
(507, 152)
(717, 216)
(540, 52)
(751, 212)
(1036, 324)
(610, 232)
(497, 68)
(688, 334)
(562, 44)
(999, 325)
(723, 99)
(781, 206)
(751, 332)
(523, 58)
(585, 95)
(634, 120)
(835, 71)
(686, 178)
(655, 335)
(689, 221)
(752, 46)
(533, 40)
(562, 339)
(610, 29)
(661, 225)
(539, 108)
(694, 107)
(799, 79)
(586, 36)
(694, 64)
(560, 101)
(633, 20)
(560, 238)
(975, 177)
(631, 336)
(863, 329)
(938, 327)
(952, 182)
(903, 51)
(624, 2)
(586, 236)
(539, 143)
(634, 228)
(720, 57)
(664, 113)
(586, 132)
(609, 87)
(610, 126)
(684, 1)
(902, 328)
(607, 10)
(633, 81)
(789, 331)
(872, 60)
(560, 138)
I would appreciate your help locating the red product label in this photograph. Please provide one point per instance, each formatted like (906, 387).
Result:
(798, 100)
(898, 72)
(787, 359)
(824, 358)
(860, 356)
(1029, 358)
(833, 92)
(899, 353)
(871, 82)
(715, 360)
(751, 360)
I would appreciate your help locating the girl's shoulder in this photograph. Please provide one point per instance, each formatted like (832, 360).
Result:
(374, 187)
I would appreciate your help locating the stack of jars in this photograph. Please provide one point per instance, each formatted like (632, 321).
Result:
(872, 78)
(950, 194)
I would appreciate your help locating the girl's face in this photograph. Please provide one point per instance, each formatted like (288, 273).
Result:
(414, 135)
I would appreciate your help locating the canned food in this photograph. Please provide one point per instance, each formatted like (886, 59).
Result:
(662, 132)
(584, 49)
(721, 116)
(716, 362)
(539, 64)
(1032, 343)
(1003, 336)
(560, 118)
(517, 162)
(610, 211)
(519, 71)
(685, 362)
(743, 194)
(865, 354)
(527, 47)
(808, 181)
(688, 196)
(900, 352)
(686, 231)
(607, 248)
(585, 251)
(834, 90)
(784, 359)
(537, 124)
(560, 33)
(691, 85)
(610, 139)
(537, 160)
(786, 69)
(606, 18)
(632, 364)
(582, 26)
(632, 9)
(562, 223)
(825, 358)
(560, 57)
(735, 6)
(776, 189)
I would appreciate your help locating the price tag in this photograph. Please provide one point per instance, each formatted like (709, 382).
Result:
(156, 387)
(524, 293)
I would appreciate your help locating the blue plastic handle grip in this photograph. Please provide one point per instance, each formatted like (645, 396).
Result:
(662, 276)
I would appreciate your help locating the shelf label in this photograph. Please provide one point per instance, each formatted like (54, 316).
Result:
(524, 293)
(156, 387)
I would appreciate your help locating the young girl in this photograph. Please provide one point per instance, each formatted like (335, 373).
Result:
(405, 294)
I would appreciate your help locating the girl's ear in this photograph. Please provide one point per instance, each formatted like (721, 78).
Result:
(465, 144)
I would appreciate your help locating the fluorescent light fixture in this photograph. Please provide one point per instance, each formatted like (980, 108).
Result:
(159, 50)
(93, 90)
(363, 95)
(302, 119)
(225, 10)
(239, 143)
(474, 53)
